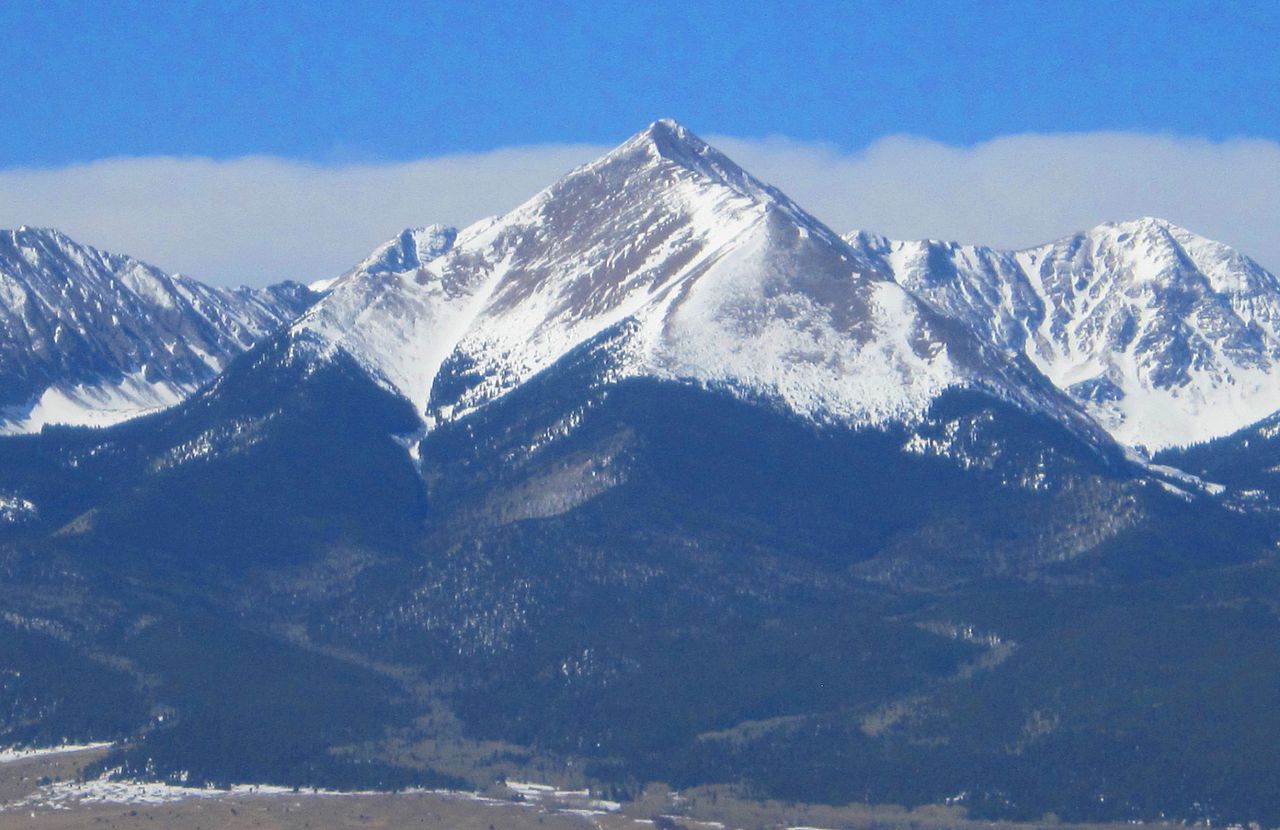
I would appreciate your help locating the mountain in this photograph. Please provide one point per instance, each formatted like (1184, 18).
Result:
(653, 478)
(1165, 337)
(89, 337)
(692, 270)
(406, 252)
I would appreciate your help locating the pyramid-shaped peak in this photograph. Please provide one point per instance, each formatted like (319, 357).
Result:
(667, 144)
(667, 132)
(673, 141)
(663, 139)
(669, 124)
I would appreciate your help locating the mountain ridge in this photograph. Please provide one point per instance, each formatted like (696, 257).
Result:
(1167, 338)
(91, 337)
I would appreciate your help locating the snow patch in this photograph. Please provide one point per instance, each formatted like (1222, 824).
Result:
(14, 754)
(14, 509)
(96, 405)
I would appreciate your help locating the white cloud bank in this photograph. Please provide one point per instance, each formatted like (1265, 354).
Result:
(257, 220)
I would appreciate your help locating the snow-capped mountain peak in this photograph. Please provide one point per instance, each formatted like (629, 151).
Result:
(690, 269)
(668, 141)
(1160, 251)
(1168, 338)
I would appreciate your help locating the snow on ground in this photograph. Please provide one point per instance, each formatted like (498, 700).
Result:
(66, 795)
(580, 802)
(13, 754)
(14, 509)
(94, 405)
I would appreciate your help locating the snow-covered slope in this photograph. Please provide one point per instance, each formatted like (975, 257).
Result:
(406, 252)
(691, 270)
(88, 337)
(1166, 337)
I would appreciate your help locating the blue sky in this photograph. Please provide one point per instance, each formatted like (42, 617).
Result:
(249, 142)
(327, 81)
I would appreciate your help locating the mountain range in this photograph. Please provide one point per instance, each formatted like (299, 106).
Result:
(658, 478)
(1164, 338)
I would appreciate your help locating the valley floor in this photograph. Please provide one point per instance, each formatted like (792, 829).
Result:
(44, 791)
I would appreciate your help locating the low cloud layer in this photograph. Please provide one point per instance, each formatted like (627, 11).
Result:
(1023, 190)
(257, 220)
